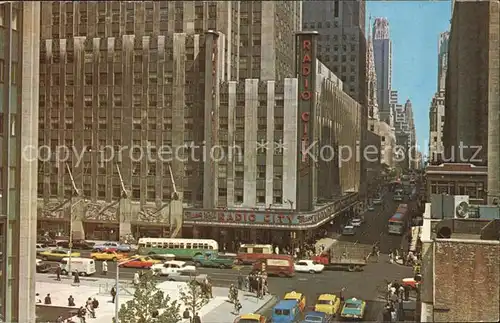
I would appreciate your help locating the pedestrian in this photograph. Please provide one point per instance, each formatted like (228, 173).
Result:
(60, 319)
(104, 267)
(95, 303)
(48, 300)
(58, 273)
(71, 301)
(240, 281)
(90, 308)
(38, 299)
(113, 294)
(185, 314)
(136, 279)
(76, 280)
(196, 318)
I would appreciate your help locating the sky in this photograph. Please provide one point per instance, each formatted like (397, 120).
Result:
(414, 28)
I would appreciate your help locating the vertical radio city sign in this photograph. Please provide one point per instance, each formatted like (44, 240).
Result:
(306, 73)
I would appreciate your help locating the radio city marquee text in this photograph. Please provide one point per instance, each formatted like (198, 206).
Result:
(306, 94)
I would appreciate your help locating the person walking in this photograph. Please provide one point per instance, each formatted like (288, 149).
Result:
(113, 294)
(58, 273)
(104, 267)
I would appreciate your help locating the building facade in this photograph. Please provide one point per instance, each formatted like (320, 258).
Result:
(457, 179)
(436, 126)
(473, 98)
(123, 88)
(146, 113)
(382, 53)
(342, 48)
(281, 180)
(443, 49)
(19, 56)
(457, 256)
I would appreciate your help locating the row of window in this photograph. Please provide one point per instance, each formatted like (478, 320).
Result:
(13, 72)
(3, 16)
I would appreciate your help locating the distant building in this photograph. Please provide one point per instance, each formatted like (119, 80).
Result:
(382, 53)
(460, 270)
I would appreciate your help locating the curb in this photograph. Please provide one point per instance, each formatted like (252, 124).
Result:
(273, 300)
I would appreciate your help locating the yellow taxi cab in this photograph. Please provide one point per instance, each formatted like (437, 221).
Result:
(299, 297)
(107, 255)
(328, 304)
(57, 254)
(250, 318)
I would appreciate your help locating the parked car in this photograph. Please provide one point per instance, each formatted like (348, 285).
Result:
(113, 246)
(348, 230)
(353, 309)
(172, 266)
(42, 267)
(40, 247)
(371, 208)
(187, 276)
(308, 266)
(76, 244)
(57, 254)
(377, 201)
(356, 222)
(46, 241)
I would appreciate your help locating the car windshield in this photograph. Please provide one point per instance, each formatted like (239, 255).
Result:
(352, 305)
(248, 321)
(324, 302)
(312, 318)
(281, 312)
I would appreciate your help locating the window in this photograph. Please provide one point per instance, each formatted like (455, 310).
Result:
(2, 69)
(151, 193)
(2, 15)
(101, 190)
(14, 73)
(118, 78)
(88, 78)
(15, 14)
(136, 192)
(261, 172)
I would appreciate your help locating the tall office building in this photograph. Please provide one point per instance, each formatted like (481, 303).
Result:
(371, 79)
(472, 103)
(437, 111)
(342, 41)
(342, 48)
(118, 77)
(19, 54)
(442, 59)
(382, 53)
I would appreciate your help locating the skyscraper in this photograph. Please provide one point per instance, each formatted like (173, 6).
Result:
(437, 111)
(342, 41)
(382, 53)
(442, 59)
(371, 77)
(133, 74)
(19, 62)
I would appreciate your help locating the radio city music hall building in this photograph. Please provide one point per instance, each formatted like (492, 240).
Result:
(104, 87)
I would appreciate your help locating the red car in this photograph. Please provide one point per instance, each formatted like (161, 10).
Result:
(139, 262)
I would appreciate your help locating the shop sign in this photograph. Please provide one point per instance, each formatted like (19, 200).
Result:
(241, 217)
(305, 96)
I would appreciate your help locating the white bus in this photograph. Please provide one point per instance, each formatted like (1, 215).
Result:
(180, 248)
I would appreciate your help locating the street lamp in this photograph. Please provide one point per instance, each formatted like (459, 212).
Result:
(117, 287)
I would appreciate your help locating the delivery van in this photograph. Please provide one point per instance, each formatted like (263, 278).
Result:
(276, 265)
(250, 253)
(85, 266)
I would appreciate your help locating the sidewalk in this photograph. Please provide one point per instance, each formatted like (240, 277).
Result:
(218, 310)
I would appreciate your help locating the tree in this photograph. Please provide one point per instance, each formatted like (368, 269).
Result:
(148, 302)
(193, 297)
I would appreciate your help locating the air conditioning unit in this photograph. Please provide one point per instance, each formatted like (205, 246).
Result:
(461, 203)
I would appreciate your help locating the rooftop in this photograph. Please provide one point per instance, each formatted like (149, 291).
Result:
(446, 168)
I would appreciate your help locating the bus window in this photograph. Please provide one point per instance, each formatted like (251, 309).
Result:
(195, 245)
(258, 250)
(210, 247)
(205, 246)
(160, 245)
(176, 246)
(182, 245)
(148, 244)
(243, 250)
(142, 244)
(188, 246)
(170, 245)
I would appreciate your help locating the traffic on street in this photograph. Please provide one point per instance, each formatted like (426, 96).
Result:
(312, 279)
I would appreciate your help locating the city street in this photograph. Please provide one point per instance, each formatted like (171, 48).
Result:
(367, 285)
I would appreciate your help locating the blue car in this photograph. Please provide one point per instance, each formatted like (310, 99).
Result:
(316, 317)
(286, 311)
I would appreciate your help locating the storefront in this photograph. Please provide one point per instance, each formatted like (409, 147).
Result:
(230, 227)
(101, 231)
(53, 227)
(150, 230)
